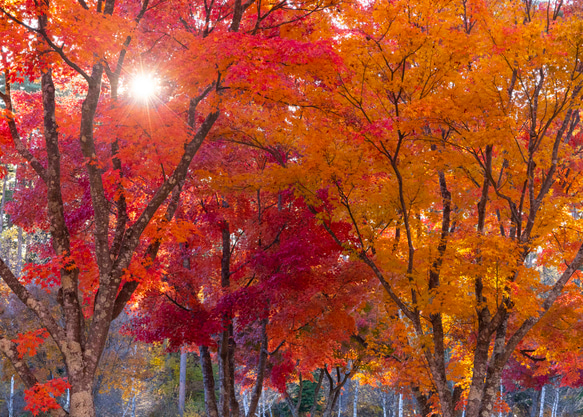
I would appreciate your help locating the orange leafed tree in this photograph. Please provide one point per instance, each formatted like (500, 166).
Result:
(452, 146)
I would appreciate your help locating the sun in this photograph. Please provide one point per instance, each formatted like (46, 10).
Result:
(144, 87)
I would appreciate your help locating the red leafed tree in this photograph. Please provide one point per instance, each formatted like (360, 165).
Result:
(104, 172)
(253, 282)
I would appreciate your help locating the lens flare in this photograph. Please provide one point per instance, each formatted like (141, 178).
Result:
(144, 87)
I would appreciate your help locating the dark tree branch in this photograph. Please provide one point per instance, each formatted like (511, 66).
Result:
(18, 144)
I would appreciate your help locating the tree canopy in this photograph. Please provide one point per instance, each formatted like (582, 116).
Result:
(297, 191)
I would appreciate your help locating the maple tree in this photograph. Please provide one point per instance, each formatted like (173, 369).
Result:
(453, 148)
(96, 181)
(254, 279)
(436, 144)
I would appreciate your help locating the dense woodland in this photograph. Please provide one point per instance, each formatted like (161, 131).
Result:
(240, 208)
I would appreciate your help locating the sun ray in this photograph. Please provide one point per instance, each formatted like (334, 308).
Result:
(144, 87)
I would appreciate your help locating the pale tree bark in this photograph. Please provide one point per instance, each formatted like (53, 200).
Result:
(555, 408)
(541, 402)
(68, 401)
(11, 399)
(182, 383)
(355, 400)
(2, 203)
(245, 402)
(19, 253)
(501, 396)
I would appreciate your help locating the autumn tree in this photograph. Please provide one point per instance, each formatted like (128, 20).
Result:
(452, 147)
(255, 283)
(104, 172)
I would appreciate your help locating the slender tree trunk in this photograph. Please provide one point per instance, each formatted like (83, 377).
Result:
(260, 370)
(182, 386)
(295, 408)
(335, 390)
(246, 403)
(2, 203)
(210, 399)
(501, 394)
(355, 401)
(11, 400)
(228, 404)
(68, 401)
(534, 408)
(317, 393)
(541, 410)
(18, 269)
(400, 406)
(235, 409)
(556, 403)
(423, 402)
(384, 395)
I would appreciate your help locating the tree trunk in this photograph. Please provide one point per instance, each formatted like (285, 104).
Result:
(501, 394)
(400, 406)
(11, 400)
(208, 379)
(423, 403)
(68, 401)
(355, 401)
(246, 403)
(556, 403)
(335, 390)
(541, 410)
(18, 269)
(295, 408)
(81, 343)
(134, 405)
(317, 393)
(182, 386)
(534, 408)
(82, 404)
(260, 371)
(2, 203)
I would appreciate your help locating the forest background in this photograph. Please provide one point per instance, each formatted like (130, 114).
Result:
(306, 196)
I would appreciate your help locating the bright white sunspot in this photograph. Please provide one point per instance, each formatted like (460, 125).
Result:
(144, 87)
